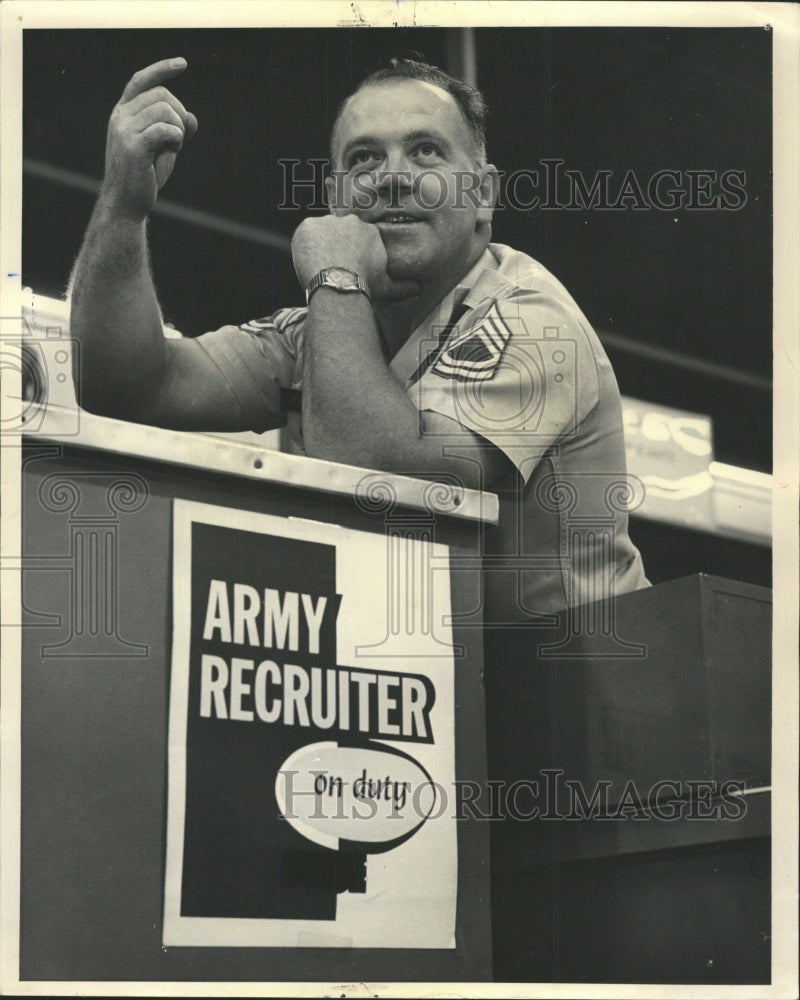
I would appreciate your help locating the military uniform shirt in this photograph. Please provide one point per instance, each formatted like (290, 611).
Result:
(522, 368)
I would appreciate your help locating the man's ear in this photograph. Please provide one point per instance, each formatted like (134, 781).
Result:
(488, 192)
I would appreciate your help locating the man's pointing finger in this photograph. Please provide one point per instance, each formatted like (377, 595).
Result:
(160, 95)
(152, 76)
(190, 124)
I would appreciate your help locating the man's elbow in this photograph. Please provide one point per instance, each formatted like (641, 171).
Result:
(103, 388)
(94, 396)
(95, 403)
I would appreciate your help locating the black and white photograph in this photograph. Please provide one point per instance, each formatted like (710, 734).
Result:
(400, 460)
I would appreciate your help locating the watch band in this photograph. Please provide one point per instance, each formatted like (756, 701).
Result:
(340, 279)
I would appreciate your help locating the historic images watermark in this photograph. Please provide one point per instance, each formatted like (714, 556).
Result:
(42, 357)
(548, 186)
(549, 796)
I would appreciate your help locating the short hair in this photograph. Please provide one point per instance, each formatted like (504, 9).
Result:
(470, 100)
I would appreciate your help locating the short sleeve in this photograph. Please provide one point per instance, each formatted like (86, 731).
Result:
(522, 373)
(258, 359)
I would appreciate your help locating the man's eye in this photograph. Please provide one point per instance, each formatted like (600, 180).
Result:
(427, 150)
(360, 157)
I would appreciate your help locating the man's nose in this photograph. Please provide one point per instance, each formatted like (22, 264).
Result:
(395, 174)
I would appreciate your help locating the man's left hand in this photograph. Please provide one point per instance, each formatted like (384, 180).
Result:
(346, 241)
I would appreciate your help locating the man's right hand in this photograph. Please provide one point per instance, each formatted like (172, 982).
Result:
(145, 134)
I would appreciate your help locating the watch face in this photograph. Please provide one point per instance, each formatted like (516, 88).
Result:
(340, 277)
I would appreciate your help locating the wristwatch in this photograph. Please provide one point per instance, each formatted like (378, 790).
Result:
(341, 279)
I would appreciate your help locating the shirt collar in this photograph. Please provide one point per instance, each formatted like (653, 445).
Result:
(462, 293)
(480, 282)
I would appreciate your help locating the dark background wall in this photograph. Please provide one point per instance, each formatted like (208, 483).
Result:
(694, 283)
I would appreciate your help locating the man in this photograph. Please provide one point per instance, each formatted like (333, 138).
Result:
(424, 349)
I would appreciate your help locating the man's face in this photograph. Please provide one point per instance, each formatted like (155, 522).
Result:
(404, 160)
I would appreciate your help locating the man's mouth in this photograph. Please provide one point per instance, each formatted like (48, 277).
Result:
(397, 219)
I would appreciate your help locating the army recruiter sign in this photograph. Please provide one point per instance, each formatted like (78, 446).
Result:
(309, 764)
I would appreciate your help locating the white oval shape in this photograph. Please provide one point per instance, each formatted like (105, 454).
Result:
(372, 795)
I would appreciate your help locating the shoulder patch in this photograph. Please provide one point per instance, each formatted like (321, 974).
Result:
(284, 318)
(473, 356)
(279, 322)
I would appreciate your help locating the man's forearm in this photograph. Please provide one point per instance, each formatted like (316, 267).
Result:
(115, 317)
(354, 410)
